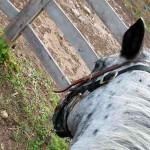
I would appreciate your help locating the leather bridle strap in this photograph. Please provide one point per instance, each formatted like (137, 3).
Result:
(95, 75)
(106, 78)
(135, 67)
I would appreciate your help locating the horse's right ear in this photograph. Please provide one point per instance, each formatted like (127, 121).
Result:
(133, 40)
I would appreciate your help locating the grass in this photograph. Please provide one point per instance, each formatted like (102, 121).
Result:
(139, 10)
(29, 101)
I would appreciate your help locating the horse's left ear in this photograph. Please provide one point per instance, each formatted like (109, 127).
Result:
(133, 40)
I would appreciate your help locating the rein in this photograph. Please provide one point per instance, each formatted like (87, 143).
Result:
(83, 80)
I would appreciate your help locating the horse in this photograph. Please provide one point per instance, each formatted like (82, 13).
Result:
(113, 110)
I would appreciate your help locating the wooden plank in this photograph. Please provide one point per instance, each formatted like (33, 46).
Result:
(24, 17)
(46, 58)
(8, 8)
(42, 53)
(71, 33)
(112, 21)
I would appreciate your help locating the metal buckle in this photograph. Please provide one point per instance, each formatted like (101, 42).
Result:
(106, 78)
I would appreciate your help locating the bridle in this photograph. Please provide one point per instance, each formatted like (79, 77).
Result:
(83, 80)
(80, 88)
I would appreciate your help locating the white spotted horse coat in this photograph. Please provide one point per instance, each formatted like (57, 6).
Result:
(116, 116)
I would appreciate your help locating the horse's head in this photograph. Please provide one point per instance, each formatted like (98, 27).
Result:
(115, 114)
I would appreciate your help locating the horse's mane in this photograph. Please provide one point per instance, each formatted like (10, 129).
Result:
(133, 133)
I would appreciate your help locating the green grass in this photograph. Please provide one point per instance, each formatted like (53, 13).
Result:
(30, 101)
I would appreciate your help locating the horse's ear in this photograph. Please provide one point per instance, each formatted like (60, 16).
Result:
(133, 40)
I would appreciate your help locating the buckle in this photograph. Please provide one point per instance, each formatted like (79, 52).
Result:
(106, 78)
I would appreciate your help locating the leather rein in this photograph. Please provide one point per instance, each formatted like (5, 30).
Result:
(83, 80)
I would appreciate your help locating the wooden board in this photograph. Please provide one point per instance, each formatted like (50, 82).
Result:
(109, 17)
(72, 34)
(8, 8)
(23, 18)
(46, 58)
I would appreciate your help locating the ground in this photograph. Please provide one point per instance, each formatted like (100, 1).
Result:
(22, 100)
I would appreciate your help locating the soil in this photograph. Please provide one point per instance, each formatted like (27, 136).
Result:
(87, 22)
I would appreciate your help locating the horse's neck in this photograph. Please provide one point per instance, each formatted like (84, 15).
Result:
(109, 111)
